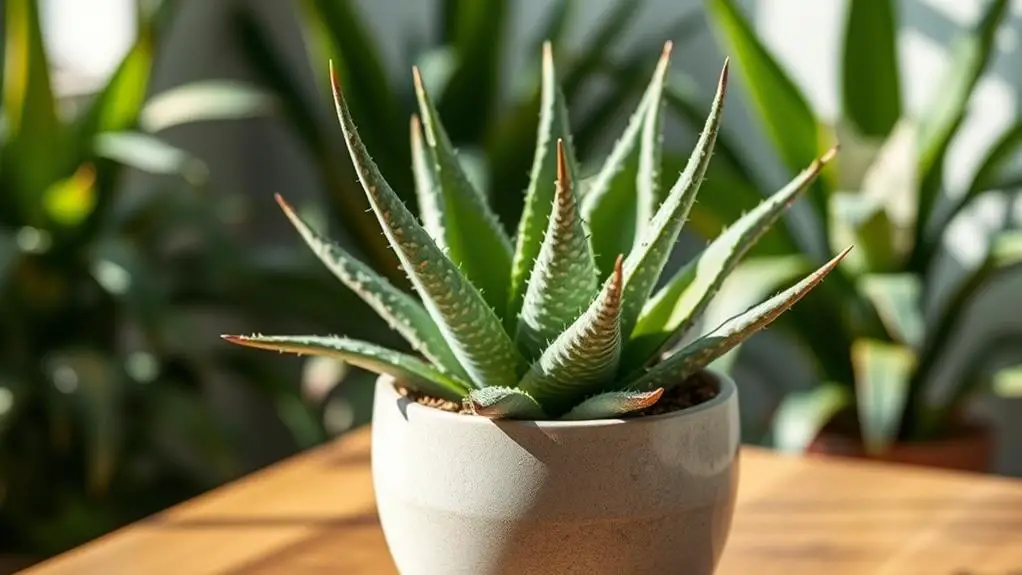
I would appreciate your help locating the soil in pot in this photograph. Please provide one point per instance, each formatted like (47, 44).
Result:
(967, 447)
(698, 388)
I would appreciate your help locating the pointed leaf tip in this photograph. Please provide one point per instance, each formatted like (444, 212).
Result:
(562, 166)
(668, 47)
(829, 154)
(613, 403)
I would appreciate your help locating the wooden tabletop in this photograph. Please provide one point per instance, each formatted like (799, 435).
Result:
(314, 513)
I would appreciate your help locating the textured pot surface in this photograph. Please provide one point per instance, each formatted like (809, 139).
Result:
(970, 450)
(460, 494)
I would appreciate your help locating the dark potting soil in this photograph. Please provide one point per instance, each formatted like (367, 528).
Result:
(695, 390)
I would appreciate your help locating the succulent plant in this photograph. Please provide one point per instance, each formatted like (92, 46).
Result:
(564, 320)
(882, 328)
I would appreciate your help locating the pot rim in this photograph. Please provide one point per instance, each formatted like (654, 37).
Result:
(727, 391)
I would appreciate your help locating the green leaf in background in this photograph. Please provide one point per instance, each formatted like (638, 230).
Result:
(803, 414)
(476, 31)
(473, 237)
(612, 202)
(96, 387)
(1007, 382)
(340, 36)
(344, 195)
(150, 154)
(971, 54)
(863, 221)
(782, 108)
(613, 403)
(1002, 166)
(69, 201)
(593, 53)
(870, 87)
(892, 183)
(752, 281)
(9, 252)
(31, 157)
(204, 101)
(505, 403)
(898, 300)
(1000, 169)
(409, 370)
(1004, 257)
(117, 106)
(882, 375)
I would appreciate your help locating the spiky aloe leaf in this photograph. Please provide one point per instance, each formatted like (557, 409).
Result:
(618, 205)
(554, 126)
(676, 308)
(472, 235)
(675, 369)
(402, 312)
(646, 260)
(468, 323)
(613, 403)
(584, 357)
(409, 370)
(504, 403)
(563, 281)
(427, 187)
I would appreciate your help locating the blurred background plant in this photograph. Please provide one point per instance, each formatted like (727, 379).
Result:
(877, 330)
(105, 407)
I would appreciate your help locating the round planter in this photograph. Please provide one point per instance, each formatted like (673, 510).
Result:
(971, 448)
(461, 494)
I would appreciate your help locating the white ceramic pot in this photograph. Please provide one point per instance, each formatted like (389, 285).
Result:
(464, 495)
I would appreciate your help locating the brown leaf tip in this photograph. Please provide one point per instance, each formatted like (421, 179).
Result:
(284, 205)
(562, 165)
(725, 72)
(648, 398)
(668, 47)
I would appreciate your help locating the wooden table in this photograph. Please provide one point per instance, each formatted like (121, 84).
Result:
(314, 513)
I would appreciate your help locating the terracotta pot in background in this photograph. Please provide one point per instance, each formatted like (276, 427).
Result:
(969, 448)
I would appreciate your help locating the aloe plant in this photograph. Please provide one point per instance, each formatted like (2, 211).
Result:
(460, 59)
(545, 325)
(878, 330)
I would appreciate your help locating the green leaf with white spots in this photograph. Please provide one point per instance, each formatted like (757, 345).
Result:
(617, 206)
(402, 312)
(472, 235)
(469, 324)
(676, 308)
(563, 281)
(584, 357)
(678, 367)
(647, 259)
(612, 404)
(409, 370)
(504, 403)
(554, 126)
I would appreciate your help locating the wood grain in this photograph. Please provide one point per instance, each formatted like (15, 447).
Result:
(314, 513)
